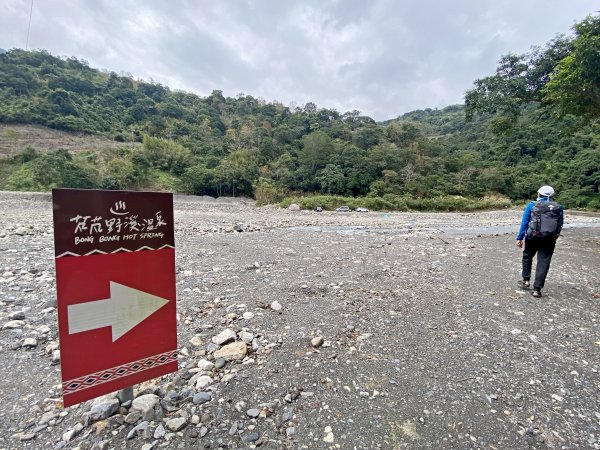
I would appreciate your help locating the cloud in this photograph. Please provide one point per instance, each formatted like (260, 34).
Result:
(381, 57)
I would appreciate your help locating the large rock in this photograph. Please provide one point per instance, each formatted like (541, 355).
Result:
(30, 342)
(133, 417)
(294, 207)
(17, 315)
(235, 351)
(160, 431)
(316, 342)
(224, 337)
(125, 395)
(13, 324)
(251, 437)
(276, 306)
(201, 398)
(70, 434)
(203, 381)
(104, 410)
(196, 341)
(138, 430)
(176, 424)
(21, 231)
(205, 365)
(145, 402)
(47, 417)
(246, 336)
(253, 412)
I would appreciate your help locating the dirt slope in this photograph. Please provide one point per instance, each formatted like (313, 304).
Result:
(14, 138)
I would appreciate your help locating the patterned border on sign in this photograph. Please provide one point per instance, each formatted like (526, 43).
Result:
(119, 250)
(114, 373)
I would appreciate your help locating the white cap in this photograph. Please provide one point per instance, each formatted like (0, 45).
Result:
(546, 191)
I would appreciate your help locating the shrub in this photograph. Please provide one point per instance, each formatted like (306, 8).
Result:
(27, 154)
(48, 171)
(110, 183)
(167, 155)
(393, 202)
(199, 180)
(118, 173)
(266, 192)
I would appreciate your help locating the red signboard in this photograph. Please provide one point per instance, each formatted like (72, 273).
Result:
(115, 282)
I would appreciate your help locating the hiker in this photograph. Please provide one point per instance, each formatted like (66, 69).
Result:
(540, 227)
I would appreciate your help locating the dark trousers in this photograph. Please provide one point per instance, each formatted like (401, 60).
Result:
(544, 249)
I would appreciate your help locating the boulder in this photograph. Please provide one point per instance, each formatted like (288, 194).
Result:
(145, 402)
(235, 351)
(224, 337)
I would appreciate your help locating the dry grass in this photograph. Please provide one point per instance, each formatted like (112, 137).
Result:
(14, 138)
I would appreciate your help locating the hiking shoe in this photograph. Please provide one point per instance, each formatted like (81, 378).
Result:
(536, 293)
(525, 284)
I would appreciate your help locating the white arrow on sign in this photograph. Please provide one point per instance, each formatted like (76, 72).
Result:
(126, 308)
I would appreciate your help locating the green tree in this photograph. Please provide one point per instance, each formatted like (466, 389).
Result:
(200, 180)
(574, 87)
(367, 136)
(403, 134)
(280, 170)
(582, 183)
(167, 155)
(238, 170)
(389, 183)
(316, 151)
(331, 179)
(518, 81)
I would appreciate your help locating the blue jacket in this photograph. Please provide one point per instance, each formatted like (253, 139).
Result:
(527, 217)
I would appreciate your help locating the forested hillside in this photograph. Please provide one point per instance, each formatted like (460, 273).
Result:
(522, 131)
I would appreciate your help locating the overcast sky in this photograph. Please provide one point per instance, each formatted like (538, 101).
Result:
(381, 57)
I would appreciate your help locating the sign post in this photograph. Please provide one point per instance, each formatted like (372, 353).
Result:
(115, 283)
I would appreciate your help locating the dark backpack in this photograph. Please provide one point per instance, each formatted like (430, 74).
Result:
(546, 220)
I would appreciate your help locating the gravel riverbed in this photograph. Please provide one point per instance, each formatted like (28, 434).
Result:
(324, 330)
